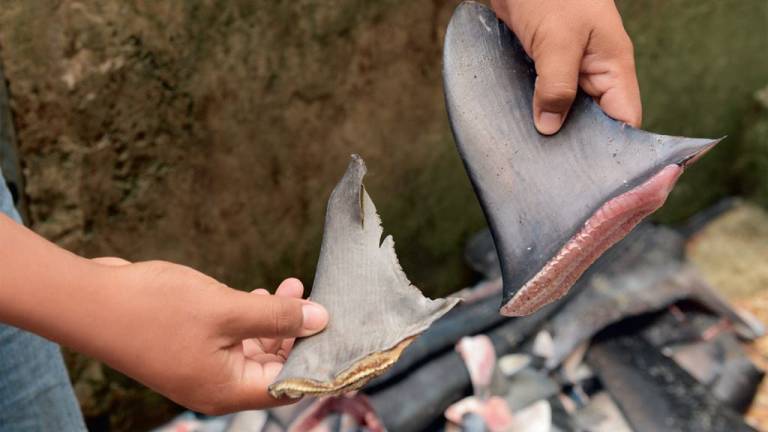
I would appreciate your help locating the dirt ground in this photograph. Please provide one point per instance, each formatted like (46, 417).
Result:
(732, 254)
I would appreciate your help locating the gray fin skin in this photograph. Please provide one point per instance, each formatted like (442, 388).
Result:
(546, 197)
(374, 310)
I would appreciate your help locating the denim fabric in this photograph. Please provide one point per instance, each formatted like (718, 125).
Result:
(35, 393)
(6, 201)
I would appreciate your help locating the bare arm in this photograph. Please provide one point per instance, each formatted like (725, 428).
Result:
(182, 333)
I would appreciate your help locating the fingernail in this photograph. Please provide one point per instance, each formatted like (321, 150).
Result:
(549, 122)
(315, 316)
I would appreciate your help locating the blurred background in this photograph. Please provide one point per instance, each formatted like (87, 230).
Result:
(210, 133)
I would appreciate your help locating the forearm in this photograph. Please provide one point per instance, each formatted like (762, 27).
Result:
(46, 289)
(171, 327)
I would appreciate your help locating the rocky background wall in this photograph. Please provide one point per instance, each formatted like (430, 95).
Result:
(211, 132)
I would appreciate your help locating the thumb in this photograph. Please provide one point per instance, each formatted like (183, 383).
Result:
(111, 261)
(251, 316)
(557, 61)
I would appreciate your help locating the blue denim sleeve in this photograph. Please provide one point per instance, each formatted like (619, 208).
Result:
(6, 201)
(35, 392)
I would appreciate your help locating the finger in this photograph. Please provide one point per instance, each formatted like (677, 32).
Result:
(111, 261)
(252, 347)
(557, 57)
(609, 74)
(286, 347)
(258, 316)
(271, 371)
(271, 345)
(501, 9)
(255, 348)
(617, 94)
(290, 287)
(252, 392)
(622, 102)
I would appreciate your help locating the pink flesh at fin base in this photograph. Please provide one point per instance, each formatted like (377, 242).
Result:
(609, 224)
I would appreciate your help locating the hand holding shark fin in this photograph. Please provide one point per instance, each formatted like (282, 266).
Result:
(554, 204)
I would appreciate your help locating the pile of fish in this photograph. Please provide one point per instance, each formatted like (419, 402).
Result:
(641, 344)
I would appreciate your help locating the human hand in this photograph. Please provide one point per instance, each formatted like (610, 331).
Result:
(200, 343)
(575, 43)
(180, 332)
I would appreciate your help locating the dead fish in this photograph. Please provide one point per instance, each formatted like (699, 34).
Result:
(652, 391)
(554, 204)
(528, 386)
(480, 254)
(436, 384)
(375, 312)
(470, 318)
(536, 417)
(706, 346)
(653, 279)
(511, 364)
(650, 277)
(601, 414)
(480, 358)
(356, 407)
(476, 414)
(443, 380)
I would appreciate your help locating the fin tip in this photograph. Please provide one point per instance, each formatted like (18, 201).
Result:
(357, 163)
